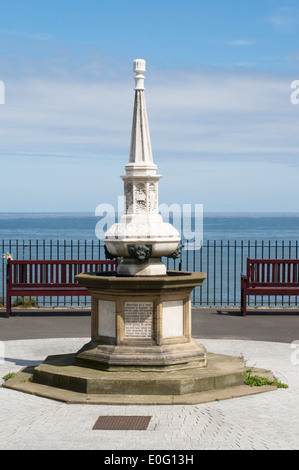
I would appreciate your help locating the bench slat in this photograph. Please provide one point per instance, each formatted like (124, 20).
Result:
(264, 285)
(273, 291)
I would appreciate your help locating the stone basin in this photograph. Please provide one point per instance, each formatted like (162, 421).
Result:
(141, 321)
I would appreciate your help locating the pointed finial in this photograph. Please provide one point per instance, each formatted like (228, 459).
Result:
(139, 68)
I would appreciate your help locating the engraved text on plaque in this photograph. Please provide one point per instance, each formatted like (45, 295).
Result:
(139, 319)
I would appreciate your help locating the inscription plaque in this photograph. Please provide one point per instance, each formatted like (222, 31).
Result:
(139, 319)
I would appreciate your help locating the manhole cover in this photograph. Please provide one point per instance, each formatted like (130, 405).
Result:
(122, 423)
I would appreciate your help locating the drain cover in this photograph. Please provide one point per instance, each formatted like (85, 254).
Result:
(122, 423)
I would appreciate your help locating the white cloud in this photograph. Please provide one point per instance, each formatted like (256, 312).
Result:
(200, 122)
(37, 36)
(241, 42)
(194, 113)
(285, 19)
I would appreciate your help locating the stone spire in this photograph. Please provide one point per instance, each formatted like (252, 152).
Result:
(141, 158)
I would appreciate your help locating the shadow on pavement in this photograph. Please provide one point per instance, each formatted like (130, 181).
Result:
(257, 312)
(50, 312)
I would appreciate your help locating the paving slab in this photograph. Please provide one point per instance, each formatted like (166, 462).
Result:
(262, 421)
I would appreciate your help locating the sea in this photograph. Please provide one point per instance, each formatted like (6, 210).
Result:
(232, 226)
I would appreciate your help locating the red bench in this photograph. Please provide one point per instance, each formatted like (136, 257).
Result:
(269, 277)
(49, 277)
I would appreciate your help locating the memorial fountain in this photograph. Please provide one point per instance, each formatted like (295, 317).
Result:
(141, 348)
(142, 315)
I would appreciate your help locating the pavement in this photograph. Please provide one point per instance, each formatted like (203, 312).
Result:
(267, 339)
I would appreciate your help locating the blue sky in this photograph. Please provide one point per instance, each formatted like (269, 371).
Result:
(224, 131)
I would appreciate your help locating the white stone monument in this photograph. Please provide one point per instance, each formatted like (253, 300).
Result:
(141, 237)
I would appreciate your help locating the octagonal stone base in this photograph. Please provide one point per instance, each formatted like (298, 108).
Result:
(150, 358)
(59, 378)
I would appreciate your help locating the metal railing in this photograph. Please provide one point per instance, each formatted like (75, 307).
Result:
(222, 260)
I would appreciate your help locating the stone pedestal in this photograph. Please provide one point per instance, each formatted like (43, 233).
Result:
(141, 322)
(150, 267)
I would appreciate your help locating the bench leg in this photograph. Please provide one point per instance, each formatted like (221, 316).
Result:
(243, 303)
(8, 306)
(244, 310)
(243, 298)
